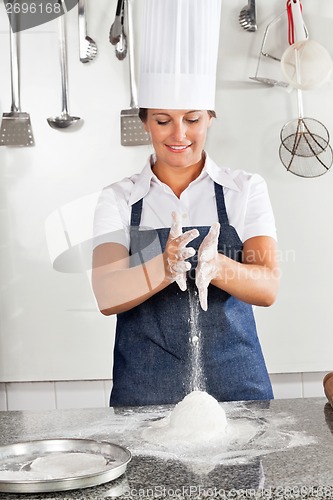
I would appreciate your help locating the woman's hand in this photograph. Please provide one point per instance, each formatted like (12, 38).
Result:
(176, 252)
(207, 268)
(256, 279)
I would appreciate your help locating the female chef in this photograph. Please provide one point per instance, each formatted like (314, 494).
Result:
(181, 226)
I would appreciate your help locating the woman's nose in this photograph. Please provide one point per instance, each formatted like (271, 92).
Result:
(179, 131)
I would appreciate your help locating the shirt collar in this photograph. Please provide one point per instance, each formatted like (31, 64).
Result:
(142, 183)
(220, 175)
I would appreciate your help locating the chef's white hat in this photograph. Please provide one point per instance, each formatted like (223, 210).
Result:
(179, 48)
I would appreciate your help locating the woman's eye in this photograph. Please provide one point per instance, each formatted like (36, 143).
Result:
(193, 120)
(162, 122)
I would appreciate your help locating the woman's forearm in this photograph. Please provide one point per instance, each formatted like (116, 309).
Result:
(119, 287)
(255, 284)
(119, 290)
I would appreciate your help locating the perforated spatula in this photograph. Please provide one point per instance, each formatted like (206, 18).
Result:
(15, 126)
(132, 129)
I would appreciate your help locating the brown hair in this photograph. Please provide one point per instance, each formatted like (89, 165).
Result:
(143, 114)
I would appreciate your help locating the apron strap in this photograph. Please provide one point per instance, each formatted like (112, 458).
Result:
(220, 204)
(135, 221)
(136, 213)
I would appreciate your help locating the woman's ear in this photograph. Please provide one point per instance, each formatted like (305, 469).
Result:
(145, 125)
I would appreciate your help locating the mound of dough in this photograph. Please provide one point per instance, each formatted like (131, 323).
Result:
(68, 464)
(198, 418)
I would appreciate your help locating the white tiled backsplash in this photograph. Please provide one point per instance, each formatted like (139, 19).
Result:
(95, 393)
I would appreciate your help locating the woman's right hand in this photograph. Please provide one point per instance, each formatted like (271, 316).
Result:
(176, 252)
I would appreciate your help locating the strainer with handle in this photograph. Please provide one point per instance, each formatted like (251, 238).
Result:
(304, 149)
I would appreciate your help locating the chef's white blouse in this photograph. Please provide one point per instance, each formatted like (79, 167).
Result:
(246, 197)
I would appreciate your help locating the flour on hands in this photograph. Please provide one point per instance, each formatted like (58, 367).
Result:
(179, 252)
(207, 268)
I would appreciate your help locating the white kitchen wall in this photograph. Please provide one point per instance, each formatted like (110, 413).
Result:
(50, 329)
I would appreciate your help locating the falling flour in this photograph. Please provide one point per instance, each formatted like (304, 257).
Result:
(196, 375)
(198, 418)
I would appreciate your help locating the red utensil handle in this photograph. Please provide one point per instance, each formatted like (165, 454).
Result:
(291, 30)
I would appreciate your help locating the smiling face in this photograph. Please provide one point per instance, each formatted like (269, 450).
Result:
(178, 136)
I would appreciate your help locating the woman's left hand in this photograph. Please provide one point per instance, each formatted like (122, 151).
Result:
(207, 268)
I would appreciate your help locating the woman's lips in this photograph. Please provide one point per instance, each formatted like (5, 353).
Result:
(177, 148)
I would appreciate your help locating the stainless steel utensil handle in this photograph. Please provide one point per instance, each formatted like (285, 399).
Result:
(121, 46)
(130, 33)
(115, 31)
(63, 58)
(299, 91)
(14, 71)
(82, 28)
(300, 34)
(252, 10)
(275, 20)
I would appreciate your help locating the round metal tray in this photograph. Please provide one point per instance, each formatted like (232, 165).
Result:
(15, 461)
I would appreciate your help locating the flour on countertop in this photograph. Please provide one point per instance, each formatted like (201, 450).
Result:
(252, 432)
(249, 434)
(198, 418)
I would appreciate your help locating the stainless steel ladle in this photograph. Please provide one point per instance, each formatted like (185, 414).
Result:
(64, 120)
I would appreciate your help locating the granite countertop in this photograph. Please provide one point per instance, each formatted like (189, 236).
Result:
(278, 449)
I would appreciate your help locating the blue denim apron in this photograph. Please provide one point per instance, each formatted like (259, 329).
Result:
(152, 347)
